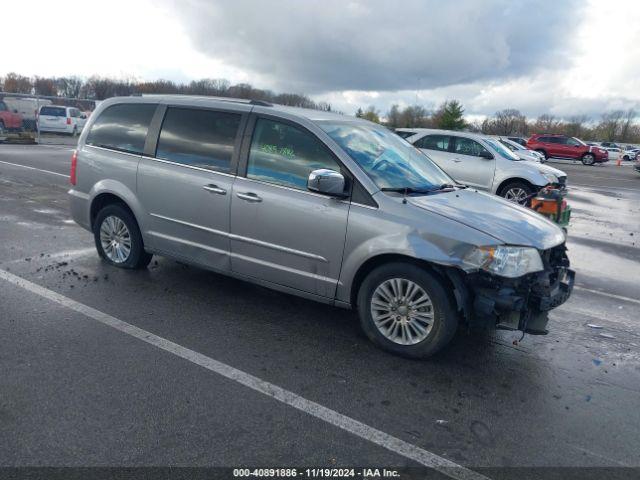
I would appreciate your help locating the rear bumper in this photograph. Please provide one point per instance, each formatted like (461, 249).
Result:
(79, 207)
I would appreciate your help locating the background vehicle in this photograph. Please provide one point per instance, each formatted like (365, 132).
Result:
(58, 119)
(630, 154)
(522, 152)
(520, 140)
(27, 108)
(610, 145)
(10, 120)
(561, 146)
(334, 209)
(483, 162)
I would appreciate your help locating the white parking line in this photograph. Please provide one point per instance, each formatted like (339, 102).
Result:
(33, 168)
(610, 295)
(287, 397)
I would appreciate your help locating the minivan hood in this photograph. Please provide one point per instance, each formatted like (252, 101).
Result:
(507, 222)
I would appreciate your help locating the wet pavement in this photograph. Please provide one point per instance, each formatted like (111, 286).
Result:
(76, 392)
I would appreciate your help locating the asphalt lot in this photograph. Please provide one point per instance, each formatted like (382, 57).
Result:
(77, 389)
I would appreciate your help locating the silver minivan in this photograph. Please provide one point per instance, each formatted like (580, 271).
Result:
(328, 207)
(483, 162)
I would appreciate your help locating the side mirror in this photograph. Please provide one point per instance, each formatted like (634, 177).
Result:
(486, 155)
(326, 181)
(83, 116)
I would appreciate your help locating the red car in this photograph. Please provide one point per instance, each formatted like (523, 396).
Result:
(561, 146)
(9, 120)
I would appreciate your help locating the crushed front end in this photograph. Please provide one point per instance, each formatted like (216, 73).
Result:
(522, 303)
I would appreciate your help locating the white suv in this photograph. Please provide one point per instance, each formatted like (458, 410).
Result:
(484, 163)
(59, 119)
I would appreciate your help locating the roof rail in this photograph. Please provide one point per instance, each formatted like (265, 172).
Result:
(261, 103)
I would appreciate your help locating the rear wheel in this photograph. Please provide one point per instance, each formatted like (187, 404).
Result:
(405, 310)
(516, 192)
(118, 239)
(588, 159)
(3, 130)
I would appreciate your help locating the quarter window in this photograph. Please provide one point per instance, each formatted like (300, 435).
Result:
(122, 127)
(466, 146)
(434, 142)
(285, 155)
(200, 138)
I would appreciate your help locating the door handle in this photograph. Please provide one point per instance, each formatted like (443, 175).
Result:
(249, 197)
(215, 189)
(457, 160)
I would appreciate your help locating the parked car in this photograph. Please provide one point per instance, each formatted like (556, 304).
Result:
(332, 208)
(561, 146)
(610, 145)
(522, 152)
(484, 163)
(630, 154)
(520, 140)
(58, 119)
(27, 108)
(10, 120)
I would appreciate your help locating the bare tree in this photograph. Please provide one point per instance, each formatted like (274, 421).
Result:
(610, 124)
(14, 83)
(69, 86)
(627, 123)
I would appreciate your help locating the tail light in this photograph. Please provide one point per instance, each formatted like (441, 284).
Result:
(68, 120)
(74, 166)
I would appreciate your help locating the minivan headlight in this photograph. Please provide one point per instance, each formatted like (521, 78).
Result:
(505, 261)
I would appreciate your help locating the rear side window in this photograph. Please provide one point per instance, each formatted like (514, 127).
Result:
(122, 127)
(434, 142)
(286, 155)
(466, 146)
(54, 111)
(200, 138)
(3, 107)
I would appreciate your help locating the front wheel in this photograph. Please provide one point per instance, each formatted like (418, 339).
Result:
(544, 153)
(516, 192)
(588, 159)
(118, 239)
(405, 310)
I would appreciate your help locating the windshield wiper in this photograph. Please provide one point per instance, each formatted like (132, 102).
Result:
(408, 190)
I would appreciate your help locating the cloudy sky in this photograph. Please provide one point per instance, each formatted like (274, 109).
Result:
(564, 57)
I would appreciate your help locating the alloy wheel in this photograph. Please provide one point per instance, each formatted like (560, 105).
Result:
(517, 195)
(402, 311)
(115, 239)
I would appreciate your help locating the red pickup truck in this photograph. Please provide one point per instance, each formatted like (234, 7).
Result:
(561, 146)
(9, 120)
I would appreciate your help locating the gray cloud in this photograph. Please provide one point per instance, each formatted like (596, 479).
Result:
(334, 45)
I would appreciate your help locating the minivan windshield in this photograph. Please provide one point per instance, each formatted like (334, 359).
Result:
(502, 150)
(387, 159)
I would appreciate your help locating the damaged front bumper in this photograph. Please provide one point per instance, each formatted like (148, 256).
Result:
(520, 303)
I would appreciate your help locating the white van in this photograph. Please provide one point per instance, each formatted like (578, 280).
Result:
(60, 119)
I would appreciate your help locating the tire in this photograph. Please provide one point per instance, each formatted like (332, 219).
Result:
(517, 192)
(444, 318)
(544, 153)
(626, 157)
(588, 159)
(3, 130)
(109, 217)
(74, 134)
